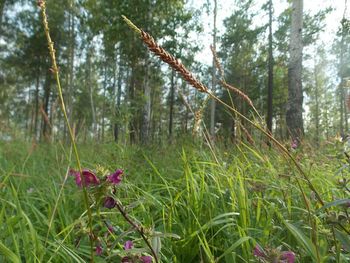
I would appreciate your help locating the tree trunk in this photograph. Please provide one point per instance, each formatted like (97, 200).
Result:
(146, 112)
(317, 109)
(294, 114)
(36, 115)
(119, 95)
(47, 93)
(270, 74)
(342, 93)
(89, 83)
(131, 98)
(213, 102)
(2, 7)
(104, 103)
(70, 86)
(171, 104)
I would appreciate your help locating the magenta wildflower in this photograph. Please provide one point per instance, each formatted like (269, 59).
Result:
(288, 257)
(89, 177)
(146, 259)
(294, 144)
(128, 245)
(98, 250)
(110, 229)
(116, 177)
(259, 252)
(109, 202)
(126, 260)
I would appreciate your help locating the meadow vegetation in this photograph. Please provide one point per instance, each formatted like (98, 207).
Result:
(198, 209)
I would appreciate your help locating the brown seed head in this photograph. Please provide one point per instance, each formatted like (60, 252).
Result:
(172, 61)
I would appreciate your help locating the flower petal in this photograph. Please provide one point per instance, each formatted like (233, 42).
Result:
(288, 256)
(128, 245)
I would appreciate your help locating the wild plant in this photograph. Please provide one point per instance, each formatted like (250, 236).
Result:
(97, 192)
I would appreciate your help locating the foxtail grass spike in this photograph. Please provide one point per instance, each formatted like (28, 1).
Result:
(131, 25)
(54, 69)
(172, 61)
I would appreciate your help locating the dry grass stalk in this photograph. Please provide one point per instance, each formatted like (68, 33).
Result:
(198, 116)
(188, 106)
(217, 62)
(348, 102)
(172, 61)
(238, 92)
(248, 135)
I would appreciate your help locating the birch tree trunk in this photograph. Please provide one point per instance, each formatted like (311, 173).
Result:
(294, 114)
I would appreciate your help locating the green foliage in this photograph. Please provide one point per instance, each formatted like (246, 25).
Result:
(199, 209)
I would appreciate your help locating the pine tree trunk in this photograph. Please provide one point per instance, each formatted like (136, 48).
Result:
(317, 107)
(213, 102)
(2, 7)
(171, 104)
(146, 112)
(270, 74)
(70, 86)
(294, 114)
(36, 115)
(47, 95)
(131, 99)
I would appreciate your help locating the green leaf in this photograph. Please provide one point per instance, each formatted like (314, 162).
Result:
(335, 203)
(344, 239)
(234, 246)
(8, 253)
(303, 240)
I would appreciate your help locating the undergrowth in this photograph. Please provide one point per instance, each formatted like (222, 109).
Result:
(202, 210)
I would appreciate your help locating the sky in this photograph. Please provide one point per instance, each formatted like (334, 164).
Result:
(226, 7)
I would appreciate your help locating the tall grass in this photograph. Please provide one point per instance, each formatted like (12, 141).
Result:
(203, 211)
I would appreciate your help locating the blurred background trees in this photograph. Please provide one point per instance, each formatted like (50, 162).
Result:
(116, 90)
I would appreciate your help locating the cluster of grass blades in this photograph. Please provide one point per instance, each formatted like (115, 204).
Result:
(207, 211)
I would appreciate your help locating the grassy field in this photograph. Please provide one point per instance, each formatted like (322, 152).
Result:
(195, 205)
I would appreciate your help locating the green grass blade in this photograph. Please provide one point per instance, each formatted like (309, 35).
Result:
(8, 253)
(303, 240)
(234, 246)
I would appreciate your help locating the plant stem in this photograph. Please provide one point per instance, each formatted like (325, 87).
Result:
(138, 228)
(55, 71)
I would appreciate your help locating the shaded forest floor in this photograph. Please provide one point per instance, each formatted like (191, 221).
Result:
(203, 208)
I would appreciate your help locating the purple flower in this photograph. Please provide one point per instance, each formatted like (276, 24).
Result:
(109, 202)
(116, 177)
(89, 177)
(146, 259)
(110, 229)
(98, 250)
(347, 204)
(294, 144)
(128, 245)
(259, 252)
(126, 260)
(288, 257)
